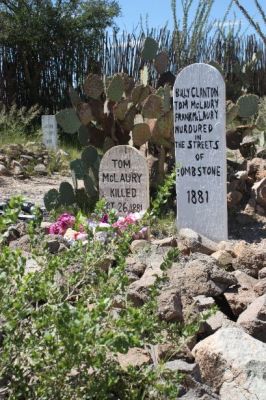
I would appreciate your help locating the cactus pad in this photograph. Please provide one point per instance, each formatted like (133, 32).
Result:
(232, 111)
(141, 134)
(93, 86)
(149, 49)
(163, 126)
(152, 106)
(90, 186)
(261, 122)
(248, 105)
(128, 121)
(161, 62)
(68, 120)
(67, 195)
(89, 156)
(116, 88)
(120, 109)
(83, 135)
(78, 169)
(129, 84)
(84, 113)
(51, 199)
(140, 93)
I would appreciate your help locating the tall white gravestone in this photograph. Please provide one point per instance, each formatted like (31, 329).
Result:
(200, 147)
(124, 180)
(49, 129)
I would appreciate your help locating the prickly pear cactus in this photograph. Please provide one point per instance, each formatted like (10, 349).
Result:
(116, 88)
(149, 49)
(113, 111)
(68, 120)
(248, 105)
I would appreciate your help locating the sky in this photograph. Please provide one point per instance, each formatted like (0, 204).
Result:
(158, 12)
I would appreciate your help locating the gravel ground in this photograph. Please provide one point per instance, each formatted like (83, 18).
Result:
(32, 189)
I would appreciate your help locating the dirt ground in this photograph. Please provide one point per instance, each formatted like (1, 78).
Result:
(32, 189)
(252, 230)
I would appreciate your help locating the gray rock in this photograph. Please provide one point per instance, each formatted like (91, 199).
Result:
(196, 242)
(260, 287)
(200, 275)
(184, 367)
(241, 296)
(215, 322)
(262, 273)
(40, 169)
(170, 305)
(4, 171)
(53, 245)
(23, 243)
(138, 245)
(168, 241)
(204, 303)
(253, 319)
(233, 364)
(223, 258)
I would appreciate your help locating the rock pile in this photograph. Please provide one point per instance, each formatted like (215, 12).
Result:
(247, 184)
(227, 358)
(22, 161)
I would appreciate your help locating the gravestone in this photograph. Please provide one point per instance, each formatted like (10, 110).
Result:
(200, 147)
(124, 180)
(49, 129)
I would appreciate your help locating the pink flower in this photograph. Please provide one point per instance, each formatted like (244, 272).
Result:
(104, 218)
(64, 222)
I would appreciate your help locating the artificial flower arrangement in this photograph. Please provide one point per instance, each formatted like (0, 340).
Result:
(100, 226)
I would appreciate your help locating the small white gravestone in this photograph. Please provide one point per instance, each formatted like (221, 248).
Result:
(200, 147)
(49, 129)
(124, 180)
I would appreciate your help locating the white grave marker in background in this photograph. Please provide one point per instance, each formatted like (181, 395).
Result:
(49, 129)
(200, 147)
(124, 180)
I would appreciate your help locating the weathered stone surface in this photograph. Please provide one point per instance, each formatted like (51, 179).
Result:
(138, 290)
(168, 241)
(200, 275)
(262, 273)
(215, 322)
(124, 180)
(196, 242)
(223, 258)
(253, 319)
(170, 305)
(53, 245)
(260, 287)
(135, 357)
(135, 267)
(40, 169)
(49, 129)
(23, 243)
(233, 363)
(201, 196)
(197, 391)
(240, 296)
(138, 245)
(234, 198)
(204, 303)
(248, 258)
(4, 171)
(184, 367)
(259, 192)
(256, 168)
